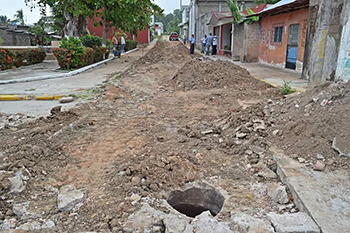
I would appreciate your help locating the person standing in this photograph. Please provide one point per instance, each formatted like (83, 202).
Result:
(215, 44)
(122, 39)
(209, 43)
(204, 42)
(192, 41)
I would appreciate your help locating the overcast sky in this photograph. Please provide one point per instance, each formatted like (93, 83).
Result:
(9, 8)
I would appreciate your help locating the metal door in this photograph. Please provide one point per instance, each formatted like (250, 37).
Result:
(292, 48)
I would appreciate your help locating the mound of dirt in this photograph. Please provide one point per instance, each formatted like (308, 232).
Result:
(311, 126)
(208, 74)
(315, 125)
(166, 52)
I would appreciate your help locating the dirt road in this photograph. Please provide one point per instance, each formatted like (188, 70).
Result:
(170, 120)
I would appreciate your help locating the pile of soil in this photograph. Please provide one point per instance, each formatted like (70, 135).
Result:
(304, 125)
(208, 74)
(309, 123)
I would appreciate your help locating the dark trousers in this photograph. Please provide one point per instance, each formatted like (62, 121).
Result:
(192, 49)
(214, 49)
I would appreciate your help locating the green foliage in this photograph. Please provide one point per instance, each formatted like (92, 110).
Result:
(170, 21)
(4, 19)
(9, 59)
(259, 2)
(98, 53)
(130, 45)
(286, 88)
(0, 41)
(232, 4)
(37, 30)
(91, 41)
(19, 16)
(251, 19)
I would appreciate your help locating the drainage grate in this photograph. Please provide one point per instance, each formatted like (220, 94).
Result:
(194, 201)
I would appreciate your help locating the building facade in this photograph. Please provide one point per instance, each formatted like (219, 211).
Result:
(283, 33)
(201, 12)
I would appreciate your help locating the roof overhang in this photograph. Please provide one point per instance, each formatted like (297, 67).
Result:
(282, 7)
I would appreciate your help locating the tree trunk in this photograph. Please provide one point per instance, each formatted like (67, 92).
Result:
(105, 33)
(82, 25)
(70, 27)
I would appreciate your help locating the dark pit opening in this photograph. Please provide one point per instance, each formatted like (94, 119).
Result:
(194, 201)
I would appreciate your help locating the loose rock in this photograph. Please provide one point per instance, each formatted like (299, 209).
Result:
(69, 197)
(293, 223)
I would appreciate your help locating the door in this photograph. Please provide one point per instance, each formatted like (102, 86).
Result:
(292, 47)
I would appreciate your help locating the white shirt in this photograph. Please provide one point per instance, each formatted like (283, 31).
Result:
(215, 41)
(204, 40)
(123, 40)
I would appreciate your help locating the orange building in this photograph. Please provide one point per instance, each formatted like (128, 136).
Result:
(283, 29)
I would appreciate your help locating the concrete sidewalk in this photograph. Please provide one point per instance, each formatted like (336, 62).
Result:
(324, 195)
(63, 86)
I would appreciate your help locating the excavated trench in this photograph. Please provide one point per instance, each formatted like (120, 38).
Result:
(194, 201)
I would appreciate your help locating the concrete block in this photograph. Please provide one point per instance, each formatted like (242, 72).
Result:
(293, 223)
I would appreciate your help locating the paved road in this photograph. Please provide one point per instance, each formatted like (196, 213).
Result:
(66, 85)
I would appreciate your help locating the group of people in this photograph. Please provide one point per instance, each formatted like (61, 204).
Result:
(207, 42)
(115, 42)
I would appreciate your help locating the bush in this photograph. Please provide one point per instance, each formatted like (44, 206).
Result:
(91, 41)
(5, 59)
(0, 41)
(8, 59)
(73, 59)
(130, 44)
(98, 53)
(286, 88)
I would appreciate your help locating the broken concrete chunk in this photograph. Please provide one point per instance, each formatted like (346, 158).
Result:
(64, 100)
(277, 193)
(293, 223)
(18, 183)
(250, 224)
(319, 166)
(8, 224)
(342, 147)
(257, 150)
(30, 226)
(21, 210)
(241, 135)
(205, 223)
(301, 160)
(207, 132)
(68, 197)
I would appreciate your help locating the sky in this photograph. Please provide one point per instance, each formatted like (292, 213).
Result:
(9, 8)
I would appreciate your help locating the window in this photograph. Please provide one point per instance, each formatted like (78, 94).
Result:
(278, 35)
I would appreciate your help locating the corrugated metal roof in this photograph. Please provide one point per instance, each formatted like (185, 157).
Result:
(278, 4)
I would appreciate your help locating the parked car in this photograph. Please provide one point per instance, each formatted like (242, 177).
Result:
(173, 36)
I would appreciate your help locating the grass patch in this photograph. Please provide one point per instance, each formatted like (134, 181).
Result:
(88, 94)
(286, 88)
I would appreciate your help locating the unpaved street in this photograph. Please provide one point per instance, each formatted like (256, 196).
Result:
(170, 121)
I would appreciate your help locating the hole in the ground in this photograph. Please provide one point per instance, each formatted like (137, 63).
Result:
(194, 201)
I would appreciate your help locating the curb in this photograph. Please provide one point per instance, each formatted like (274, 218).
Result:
(71, 73)
(29, 97)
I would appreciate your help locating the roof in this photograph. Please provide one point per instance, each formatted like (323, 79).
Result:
(220, 18)
(256, 9)
(283, 6)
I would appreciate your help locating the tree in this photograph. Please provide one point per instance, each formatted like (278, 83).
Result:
(73, 13)
(259, 2)
(126, 15)
(4, 19)
(232, 4)
(19, 16)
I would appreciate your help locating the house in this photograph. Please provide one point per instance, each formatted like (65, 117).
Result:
(185, 13)
(243, 36)
(201, 12)
(142, 37)
(158, 28)
(283, 33)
